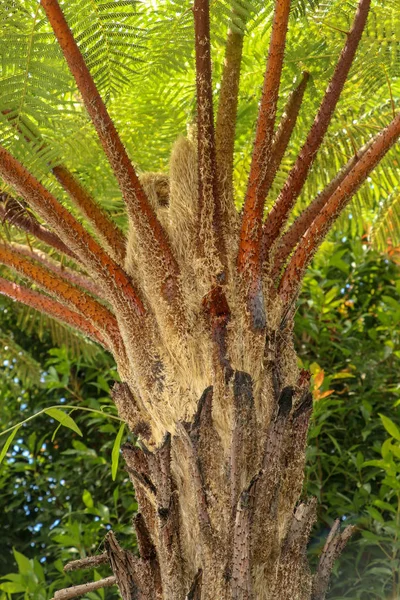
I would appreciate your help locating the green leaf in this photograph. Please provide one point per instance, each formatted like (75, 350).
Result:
(23, 562)
(386, 449)
(104, 512)
(359, 460)
(87, 499)
(343, 375)
(376, 463)
(17, 577)
(315, 431)
(392, 302)
(115, 452)
(368, 535)
(339, 263)
(38, 569)
(64, 419)
(66, 540)
(8, 444)
(375, 514)
(390, 427)
(385, 506)
(12, 588)
(335, 443)
(396, 451)
(97, 577)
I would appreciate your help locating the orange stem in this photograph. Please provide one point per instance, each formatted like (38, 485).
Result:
(298, 175)
(115, 280)
(293, 274)
(284, 132)
(109, 233)
(60, 270)
(99, 316)
(209, 200)
(249, 256)
(226, 116)
(143, 216)
(293, 235)
(55, 285)
(12, 212)
(50, 307)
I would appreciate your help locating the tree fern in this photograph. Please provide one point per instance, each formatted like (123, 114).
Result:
(386, 225)
(197, 300)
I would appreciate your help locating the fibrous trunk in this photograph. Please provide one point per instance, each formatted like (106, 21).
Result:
(220, 515)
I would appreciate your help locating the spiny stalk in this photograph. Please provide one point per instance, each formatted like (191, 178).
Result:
(249, 255)
(110, 235)
(97, 314)
(210, 209)
(52, 308)
(289, 284)
(70, 230)
(298, 175)
(15, 214)
(139, 209)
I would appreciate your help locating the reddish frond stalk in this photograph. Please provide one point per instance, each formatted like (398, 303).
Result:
(108, 232)
(148, 228)
(97, 314)
(111, 236)
(110, 275)
(290, 282)
(226, 117)
(290, 239)
(51, 308)
(249, 259)
(282, 138)
(284, 131)
(60, 270)
(218, 314)
(210, 212)
(15, 214)
(298, 175)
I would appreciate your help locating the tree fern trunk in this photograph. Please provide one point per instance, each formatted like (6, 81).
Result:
(219, 499)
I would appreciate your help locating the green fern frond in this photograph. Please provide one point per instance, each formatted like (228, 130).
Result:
(19, 363)
(386, 226)
(32, 322)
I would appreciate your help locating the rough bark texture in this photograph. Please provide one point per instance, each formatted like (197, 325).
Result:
(220, 517)
(219, 508)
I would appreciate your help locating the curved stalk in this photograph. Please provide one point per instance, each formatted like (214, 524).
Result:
(148, 228)
(14, 214)
(111, 276)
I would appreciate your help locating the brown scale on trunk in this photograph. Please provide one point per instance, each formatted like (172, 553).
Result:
(230, 558)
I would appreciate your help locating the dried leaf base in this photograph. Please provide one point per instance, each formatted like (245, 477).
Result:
(220, 515)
